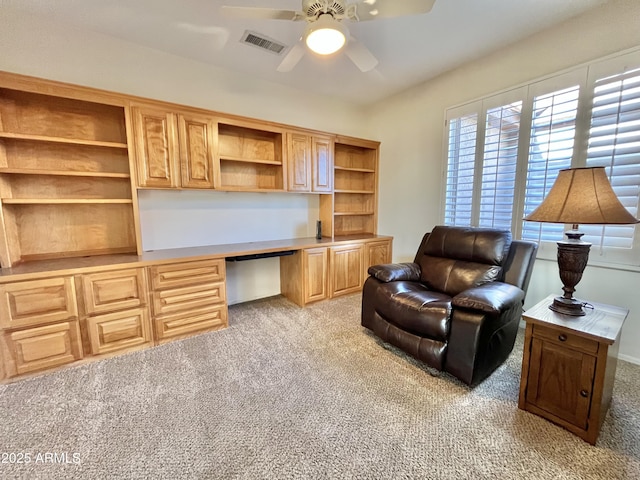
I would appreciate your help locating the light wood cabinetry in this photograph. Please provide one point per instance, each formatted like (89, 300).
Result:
(376, 253)
(75, 283)
(346, 269)
(41, 348)
(304, 275)
(250, 157)
(117, 315)
(309, 162)
(188, 298)
(355, 187)
(173, 149)
(39, 322)
(64, 170)
(36, 302)
(314, 274)
(569, 366)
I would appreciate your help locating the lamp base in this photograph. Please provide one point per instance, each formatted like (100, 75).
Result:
(567, 306)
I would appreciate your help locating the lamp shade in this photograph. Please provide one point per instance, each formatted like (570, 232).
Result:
(582, 196)
(326, 35)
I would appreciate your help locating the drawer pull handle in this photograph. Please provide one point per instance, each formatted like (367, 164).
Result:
(562, 337)
(584, 393)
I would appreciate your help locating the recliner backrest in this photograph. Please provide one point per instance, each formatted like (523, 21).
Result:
(454, 259)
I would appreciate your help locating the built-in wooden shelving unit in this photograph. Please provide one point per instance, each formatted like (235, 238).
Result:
(249, 158)
(65, 186)
(355, 185)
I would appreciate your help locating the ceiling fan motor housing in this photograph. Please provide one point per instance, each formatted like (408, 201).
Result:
(314, 8)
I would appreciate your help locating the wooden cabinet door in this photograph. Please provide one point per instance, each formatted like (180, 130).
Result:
(560, 381)
(345, 265)
(156, 141)
(196, 135)
(298, 162)
(322, 164)
(41, 348)
(314, 270)
(376, 253)
(37, 302)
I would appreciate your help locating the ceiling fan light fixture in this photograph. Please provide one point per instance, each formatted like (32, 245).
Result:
(326, 35)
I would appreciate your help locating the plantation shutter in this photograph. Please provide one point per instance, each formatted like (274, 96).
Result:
(463, 129)
(614, 143)
(502, 129)
(553, 128)
(505, 152)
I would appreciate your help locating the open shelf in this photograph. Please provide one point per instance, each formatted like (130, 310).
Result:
(70, 141)
(355, 184)
(253, 160)
(337, 214)
(355, 191)
(249, 158)
(64, 201)
(44, 158)
(348, 169)
(243, 143)
(62, 229)
(254, 176)
(61, 173)
(354, 224)
(65, 182)
(52, 118)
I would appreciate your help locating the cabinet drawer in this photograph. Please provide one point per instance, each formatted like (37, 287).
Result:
(109, 291)
(187, 298)
(186, 273)
(119, 331)
(567, 339)
(41, 348)
(197, 320)
(37, 302)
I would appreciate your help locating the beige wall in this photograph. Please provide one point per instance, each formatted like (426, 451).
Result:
(410, 127)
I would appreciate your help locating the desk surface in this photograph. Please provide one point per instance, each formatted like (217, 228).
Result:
(59, 266)
(602, 323)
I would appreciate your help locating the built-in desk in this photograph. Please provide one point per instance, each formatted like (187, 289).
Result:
(63, 311)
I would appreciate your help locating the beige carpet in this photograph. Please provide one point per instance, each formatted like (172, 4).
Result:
(292, 393)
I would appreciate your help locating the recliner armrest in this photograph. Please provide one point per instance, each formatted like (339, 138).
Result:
(492, 297)
(393, 272)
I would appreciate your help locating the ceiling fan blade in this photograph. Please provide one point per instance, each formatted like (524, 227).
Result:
(360, 55)
(292, 58)
(372, 9)
(261, 13)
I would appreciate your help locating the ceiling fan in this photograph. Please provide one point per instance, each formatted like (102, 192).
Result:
(325, 33)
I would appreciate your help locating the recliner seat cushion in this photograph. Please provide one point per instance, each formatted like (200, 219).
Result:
(413, 307)
(457, 258)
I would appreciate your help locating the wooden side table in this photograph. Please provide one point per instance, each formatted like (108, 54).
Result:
(569, 366)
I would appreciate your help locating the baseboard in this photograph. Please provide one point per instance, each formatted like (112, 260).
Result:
(630, 359)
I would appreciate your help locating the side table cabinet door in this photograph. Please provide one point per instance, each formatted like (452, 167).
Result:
(561, 381)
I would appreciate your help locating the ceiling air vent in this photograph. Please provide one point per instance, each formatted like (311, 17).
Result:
(263, 42)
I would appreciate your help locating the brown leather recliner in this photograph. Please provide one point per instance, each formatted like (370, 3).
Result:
(458, 305)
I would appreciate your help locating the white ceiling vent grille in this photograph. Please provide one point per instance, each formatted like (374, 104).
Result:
(262, 42)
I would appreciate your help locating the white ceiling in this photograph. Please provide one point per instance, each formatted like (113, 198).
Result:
(409, 49)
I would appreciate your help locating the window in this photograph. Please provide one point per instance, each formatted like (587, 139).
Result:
(505, 152)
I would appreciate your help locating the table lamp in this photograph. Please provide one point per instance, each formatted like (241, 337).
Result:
(578, 196)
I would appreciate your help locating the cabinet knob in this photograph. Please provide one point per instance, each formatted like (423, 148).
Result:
(562, 337)
(584, 393)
